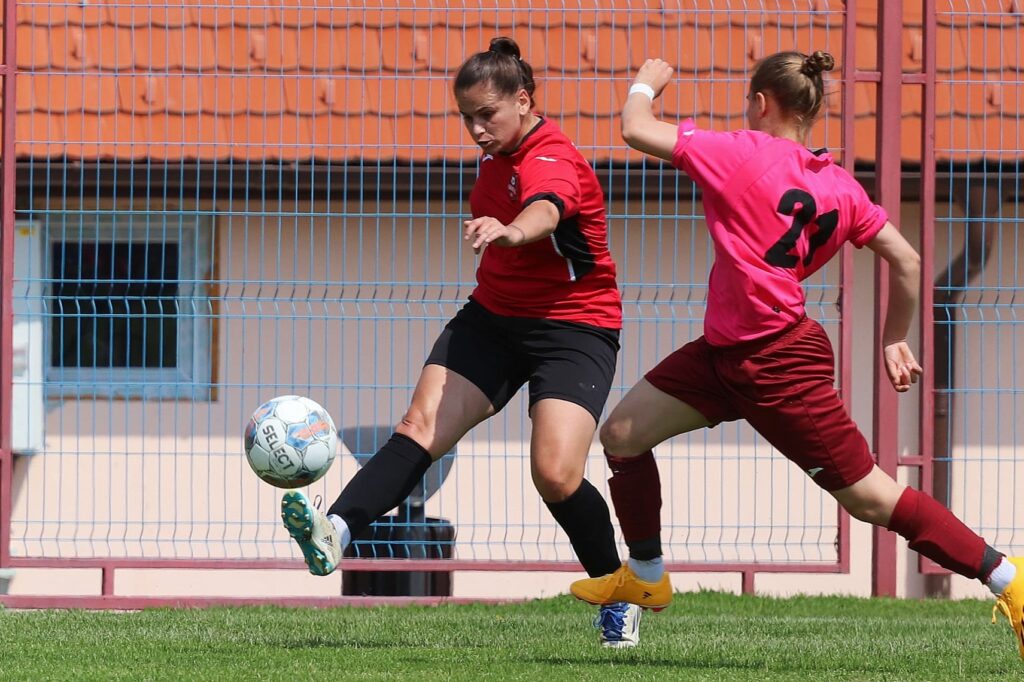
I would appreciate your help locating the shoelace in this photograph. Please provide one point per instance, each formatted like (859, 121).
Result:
(318, 501)
(1004, 608)
(1001, 607)
(611, 620)
(618, 577)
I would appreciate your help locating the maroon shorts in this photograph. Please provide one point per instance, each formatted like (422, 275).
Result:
(784, 385)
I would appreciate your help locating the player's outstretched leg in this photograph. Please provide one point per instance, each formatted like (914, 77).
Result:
(623, 585)
(312, 531)
(1011, 603)
(619, 624)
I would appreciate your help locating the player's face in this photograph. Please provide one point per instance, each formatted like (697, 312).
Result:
(495, 121)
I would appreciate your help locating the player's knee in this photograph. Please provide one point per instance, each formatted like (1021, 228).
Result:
(869, 510)
(416, 425)
(555, 483)
(615, 435)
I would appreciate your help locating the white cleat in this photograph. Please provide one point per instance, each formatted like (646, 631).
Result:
(312, 531)
(619, 624)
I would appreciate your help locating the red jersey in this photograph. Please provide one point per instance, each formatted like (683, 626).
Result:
(569, 275)
(777, 212)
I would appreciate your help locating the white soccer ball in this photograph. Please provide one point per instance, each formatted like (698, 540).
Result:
(290, 441)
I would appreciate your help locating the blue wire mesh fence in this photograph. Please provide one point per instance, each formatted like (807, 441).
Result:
(979, 308)
(228, 203)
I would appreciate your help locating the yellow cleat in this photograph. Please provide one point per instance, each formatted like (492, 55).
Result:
(623, 585)
(1011, 603)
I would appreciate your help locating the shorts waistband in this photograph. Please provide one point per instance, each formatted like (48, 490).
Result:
(769, 341)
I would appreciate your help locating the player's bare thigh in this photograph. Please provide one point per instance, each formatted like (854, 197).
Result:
(445, 405)
(563, 432)
(645, 418)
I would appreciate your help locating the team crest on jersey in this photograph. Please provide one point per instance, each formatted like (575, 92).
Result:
(513, 187)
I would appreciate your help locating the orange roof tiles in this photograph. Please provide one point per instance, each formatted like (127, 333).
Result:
(56, 13)
(173, 49)
(424, 96)
(57, 92)
(589, 96)
(342, 137)
(33, 46)
(296, 80)
(345, 48)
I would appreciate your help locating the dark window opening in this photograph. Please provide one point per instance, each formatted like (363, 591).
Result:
(114, 304)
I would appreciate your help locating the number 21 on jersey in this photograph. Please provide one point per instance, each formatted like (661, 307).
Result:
(780, 254)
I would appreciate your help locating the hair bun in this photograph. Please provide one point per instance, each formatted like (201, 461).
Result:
(815, 63)
(505, 46)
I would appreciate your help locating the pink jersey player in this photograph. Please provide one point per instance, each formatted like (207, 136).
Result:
(776, 213)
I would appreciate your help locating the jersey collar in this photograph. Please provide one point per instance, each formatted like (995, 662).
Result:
(526, 137)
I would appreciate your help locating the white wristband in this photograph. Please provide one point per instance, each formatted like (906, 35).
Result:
(643, 89)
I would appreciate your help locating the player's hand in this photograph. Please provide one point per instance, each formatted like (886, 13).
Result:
(486, 230)
(901, 366)
(656, 73)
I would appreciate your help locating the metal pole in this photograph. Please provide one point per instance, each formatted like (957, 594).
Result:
(929, 435)
(7, 73)
(887, 155)
(846, 263)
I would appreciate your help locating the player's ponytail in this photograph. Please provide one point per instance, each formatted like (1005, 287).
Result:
(795, 80)
(501, 65)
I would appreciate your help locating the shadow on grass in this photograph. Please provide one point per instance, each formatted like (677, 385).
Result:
(326, 642)
(642, 661)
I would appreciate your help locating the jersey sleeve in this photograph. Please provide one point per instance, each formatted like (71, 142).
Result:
(869, 217)
(551, 175)
(684, 139)
(708, 157)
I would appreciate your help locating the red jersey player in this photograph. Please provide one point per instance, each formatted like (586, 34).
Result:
(546, 312)
(776, 212)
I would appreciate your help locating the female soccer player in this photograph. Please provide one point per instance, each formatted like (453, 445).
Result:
(777, 212)
(546, 311)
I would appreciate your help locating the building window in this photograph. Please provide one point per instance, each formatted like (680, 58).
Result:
(128, 305)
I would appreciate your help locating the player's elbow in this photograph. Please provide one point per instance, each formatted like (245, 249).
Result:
(907, 264)
(631, 132)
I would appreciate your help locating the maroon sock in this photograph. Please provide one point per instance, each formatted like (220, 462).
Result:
(933, 531)
(636, 494)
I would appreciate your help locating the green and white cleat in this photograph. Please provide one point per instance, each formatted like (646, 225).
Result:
(312, 531)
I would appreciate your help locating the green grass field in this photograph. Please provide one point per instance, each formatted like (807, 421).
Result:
(704, 636)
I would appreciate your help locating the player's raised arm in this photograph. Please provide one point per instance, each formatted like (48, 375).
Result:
(640, 128)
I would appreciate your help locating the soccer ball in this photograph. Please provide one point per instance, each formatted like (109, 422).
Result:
(290, 441)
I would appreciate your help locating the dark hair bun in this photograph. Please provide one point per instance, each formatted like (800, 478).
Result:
(506, 46)
(817, 62)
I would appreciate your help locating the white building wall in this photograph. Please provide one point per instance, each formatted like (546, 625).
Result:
(319, 306)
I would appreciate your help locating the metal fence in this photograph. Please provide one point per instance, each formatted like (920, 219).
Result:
(216, 204)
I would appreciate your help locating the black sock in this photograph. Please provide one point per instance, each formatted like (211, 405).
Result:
(383, 483)
(989, 561)
(585, 519)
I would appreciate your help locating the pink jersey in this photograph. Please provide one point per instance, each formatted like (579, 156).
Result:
(777, 212)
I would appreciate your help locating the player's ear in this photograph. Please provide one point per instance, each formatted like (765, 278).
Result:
(760, 103)
(523, 102)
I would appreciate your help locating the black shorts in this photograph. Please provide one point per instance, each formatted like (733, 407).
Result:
(498, 354)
